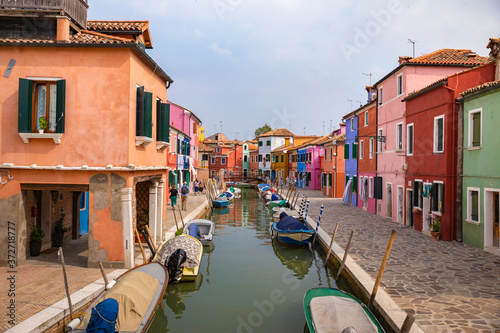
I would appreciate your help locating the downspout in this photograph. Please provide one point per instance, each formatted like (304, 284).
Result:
(460, 156)
(455, 139)
(335, 173)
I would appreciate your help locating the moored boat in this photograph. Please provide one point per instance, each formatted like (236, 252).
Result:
(202, 229)
(335, 311)
(137, 292)
(289, 230)
(222, 202)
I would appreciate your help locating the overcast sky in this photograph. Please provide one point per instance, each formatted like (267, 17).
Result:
(293, 63)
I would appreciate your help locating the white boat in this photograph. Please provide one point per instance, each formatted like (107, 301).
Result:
(206, 229)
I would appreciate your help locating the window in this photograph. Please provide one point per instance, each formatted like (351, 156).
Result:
(162, 121)
(437, 197)
(355, 184)
(217, 149)
(418, 188)
(372, 147)
(144, 113)
(409, 139)
(38, 98)
(377, 187)
(399, 136)
(380, 143)
(438, 133)
(204, 157)
(346, 151)
(325, 154)
(352, 124)
(268, 142)
(473, 204)
(366, 118)
(251, 158)
(213, 173)
(260, 158)
(475, 128)
(361, 148)
(282, 158)
(268, 157)
(400, 84)
(379, 97)
(212, 160)
(223, 160)
(331, 153)
(370, 187)
(230, 173)
(260, 143)
(245, 147)
(245, 158)
(310, 156)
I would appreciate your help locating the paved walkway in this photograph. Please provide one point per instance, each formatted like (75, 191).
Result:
(448, 286)
(39, 281)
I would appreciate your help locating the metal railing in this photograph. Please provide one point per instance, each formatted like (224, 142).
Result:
(76, 9)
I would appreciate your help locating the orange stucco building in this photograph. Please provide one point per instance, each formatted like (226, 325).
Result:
(104, 99)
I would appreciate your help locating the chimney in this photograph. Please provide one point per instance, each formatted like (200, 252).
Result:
(287, 142)
(494, 46)
(371, 90)
(63, 29)
(404, 59)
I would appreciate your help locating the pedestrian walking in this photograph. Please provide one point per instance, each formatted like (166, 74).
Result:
(196, 186)
(173, 196)
(200, 187)
(184, 196)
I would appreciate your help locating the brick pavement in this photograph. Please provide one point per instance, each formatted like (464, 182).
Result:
(448, 286)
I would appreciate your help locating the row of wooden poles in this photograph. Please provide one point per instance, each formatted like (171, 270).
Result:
(213, 189)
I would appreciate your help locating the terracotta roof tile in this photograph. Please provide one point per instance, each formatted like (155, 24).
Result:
(117, 25)
(481, 87)
(203, 147)
(83, 37)
(277, 132)
(449, 57)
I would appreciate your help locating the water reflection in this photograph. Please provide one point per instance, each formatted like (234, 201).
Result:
(176, 294)
(297, 259)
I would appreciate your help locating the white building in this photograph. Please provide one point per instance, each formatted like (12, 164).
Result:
(267, 143)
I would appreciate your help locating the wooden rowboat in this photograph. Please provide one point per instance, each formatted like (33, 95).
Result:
(205, 227)
(335, 311)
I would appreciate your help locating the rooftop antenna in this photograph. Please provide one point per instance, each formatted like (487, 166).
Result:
(370, 75)
(413, 46)
(350, 100)
(323, 128)
(215, 129)
(304, 131)
(360, 104)
(221, 126)
(331, 127)
(236, 136)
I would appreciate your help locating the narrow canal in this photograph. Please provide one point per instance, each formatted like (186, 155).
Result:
(248, 282)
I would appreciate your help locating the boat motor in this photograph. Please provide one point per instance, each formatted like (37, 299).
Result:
(174, 263)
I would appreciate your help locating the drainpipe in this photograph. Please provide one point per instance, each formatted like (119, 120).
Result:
(460, 156)
(335, 173)
(455, 139)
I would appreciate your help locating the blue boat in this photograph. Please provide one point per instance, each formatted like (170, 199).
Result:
(289, 230)
(221, 202)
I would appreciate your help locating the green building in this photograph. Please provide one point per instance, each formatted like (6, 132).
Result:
(481, 166)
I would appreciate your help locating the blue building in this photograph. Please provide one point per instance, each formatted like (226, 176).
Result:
(302, 180)
(351, 158)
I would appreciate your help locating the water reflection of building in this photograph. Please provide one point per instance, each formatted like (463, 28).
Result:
(297, 259)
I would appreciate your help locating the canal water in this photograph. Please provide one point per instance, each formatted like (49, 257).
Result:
(248, 282)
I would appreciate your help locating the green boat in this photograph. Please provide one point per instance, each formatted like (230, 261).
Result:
(335, 311)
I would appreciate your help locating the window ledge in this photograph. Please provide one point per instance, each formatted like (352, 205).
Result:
(161, 145)
(437, 213)
(438, 152)
(472, 222)
(142, 141)
(474, 148)
(54, 136)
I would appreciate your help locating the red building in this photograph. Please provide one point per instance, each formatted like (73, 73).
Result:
(228, 158)
(254, 162)
(431, 169)
(333, 165)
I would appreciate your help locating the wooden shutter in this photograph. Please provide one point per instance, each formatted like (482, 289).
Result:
(476, 129)
(148, 115)
(415, 194)
(435, 197)
(25, 106)
(60, 106)
(330, 179)
(346, 151)
(139, 110)
(378, 187)
(354, 150)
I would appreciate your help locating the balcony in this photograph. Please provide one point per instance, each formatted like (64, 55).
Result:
(75, 9)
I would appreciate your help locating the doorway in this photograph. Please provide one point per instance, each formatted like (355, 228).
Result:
(389, 199)
(409, 213)
(491, 217)
(84, 213)
(400, 204)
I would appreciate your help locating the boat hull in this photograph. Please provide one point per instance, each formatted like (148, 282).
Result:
(221, 203)
(292, 237)
(207, 229)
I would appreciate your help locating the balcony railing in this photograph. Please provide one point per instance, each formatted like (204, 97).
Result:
(76, 9)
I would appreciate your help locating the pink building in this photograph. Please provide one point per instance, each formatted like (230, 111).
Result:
(412, 74)
(314, 153)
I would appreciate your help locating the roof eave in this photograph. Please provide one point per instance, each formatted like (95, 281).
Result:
(423, 91)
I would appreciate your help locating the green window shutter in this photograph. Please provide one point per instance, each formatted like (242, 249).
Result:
(354, 151)
(60, 106)
(346, 151)
(159, 131)
(139, 111)
(346, 180)
(474, 215)
(476, 129)
(25, 106)
(148, 115)
(355, 184)
(165, 122)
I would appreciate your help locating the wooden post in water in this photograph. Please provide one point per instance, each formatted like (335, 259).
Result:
(381, 270)
(331, 244)
(317, 225)
(296, 197)
(175, 219)
(103, 274)
(346, 253)
(407, 324)
(140, 244)
(61, 256)
(182, 220)
(151, 239)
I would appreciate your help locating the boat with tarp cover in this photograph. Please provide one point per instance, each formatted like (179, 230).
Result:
(129, 305)
(330, 310)
(289, 230)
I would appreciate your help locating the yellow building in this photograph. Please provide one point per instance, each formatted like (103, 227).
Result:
(201, 133)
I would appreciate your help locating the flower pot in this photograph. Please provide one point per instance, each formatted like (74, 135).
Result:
(40, 131)
(35, 248)
(435, 235)
(57, 239)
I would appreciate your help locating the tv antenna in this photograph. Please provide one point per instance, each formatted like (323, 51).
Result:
(370, 75)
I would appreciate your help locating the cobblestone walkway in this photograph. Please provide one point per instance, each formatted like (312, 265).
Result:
(448, 286)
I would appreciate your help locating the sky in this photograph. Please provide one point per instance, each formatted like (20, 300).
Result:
(297, 64)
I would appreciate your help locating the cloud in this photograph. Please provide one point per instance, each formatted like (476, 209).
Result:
(219, 50)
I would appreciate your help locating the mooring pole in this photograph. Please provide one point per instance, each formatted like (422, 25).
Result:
(182, 220)
(175, 219)
(331, 244)
(307, 210)
(346, 253)
(103, 274)
(407, 324)
(381, 270)
(140, 245)
(317, 225)
(61, 256)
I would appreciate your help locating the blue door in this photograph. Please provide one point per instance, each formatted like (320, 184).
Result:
(84, 213)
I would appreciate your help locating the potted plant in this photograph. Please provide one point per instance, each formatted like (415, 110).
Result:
(36, 241)
(435, 229)
(42, 124)
(59, 230)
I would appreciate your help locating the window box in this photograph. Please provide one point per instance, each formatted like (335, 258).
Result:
(54, 136)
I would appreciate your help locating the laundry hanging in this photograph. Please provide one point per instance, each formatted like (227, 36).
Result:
(347, 192)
